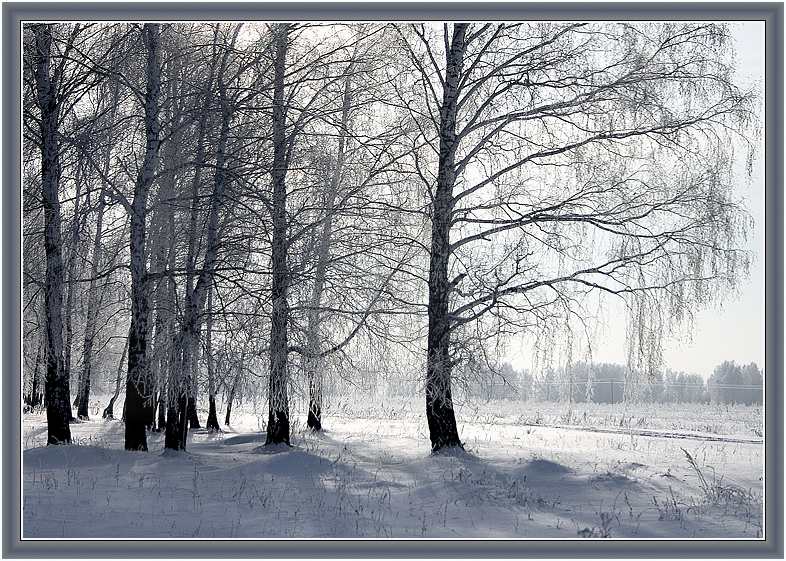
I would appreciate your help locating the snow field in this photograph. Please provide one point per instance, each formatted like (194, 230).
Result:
(373, 477)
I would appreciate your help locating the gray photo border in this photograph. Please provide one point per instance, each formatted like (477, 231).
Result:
(14, 12)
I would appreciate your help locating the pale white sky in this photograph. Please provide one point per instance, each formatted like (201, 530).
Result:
(734, 331)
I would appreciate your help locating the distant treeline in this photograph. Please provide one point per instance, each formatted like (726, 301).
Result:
(612, 383)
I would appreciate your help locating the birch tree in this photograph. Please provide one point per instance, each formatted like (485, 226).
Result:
(562, 159)
(278, 399)
(138, 387)
(47, 76)
(313, 366)
(95, 294)
(186, 345)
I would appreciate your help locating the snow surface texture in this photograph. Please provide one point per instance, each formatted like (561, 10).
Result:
(535, 470)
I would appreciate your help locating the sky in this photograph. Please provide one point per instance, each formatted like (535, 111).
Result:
(734, 331)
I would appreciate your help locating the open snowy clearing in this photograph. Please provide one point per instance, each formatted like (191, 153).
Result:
(374, 477)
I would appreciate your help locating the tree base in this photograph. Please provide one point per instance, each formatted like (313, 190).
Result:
(442, 427)
(136, 440)
(455, 448)
(277, 429)
(83, 411)
(58, 431)
(193, 417)
(161, 417)
(176, 427)
(314, 422)
(212, 417)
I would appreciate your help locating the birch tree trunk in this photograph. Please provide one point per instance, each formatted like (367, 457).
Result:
(163, 257)
(231, 397)
(212, 417)
(161, 332)
(191, 407)
(278, 401)
(93, 300)
(35, 397)
(109, 412)
(138, 383)
(163, 301)
(168, 356)
(71, 276)
(313, 361)
(236, 380)
(58, 407)
(443, 430)
(92, 316)
(188, 338)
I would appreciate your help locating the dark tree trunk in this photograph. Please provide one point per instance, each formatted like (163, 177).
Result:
(150, 401)
(167, 355)
(93, 303)
(192, 370)
(212, 417)
(180, 390)
(314, 420)
(176, 424)
(228, 416)
(163, 247)
(231, 400)
(58, 407)
(150, 407)
(165, 298)
(162, 334)
(109, 411)
(177, 396)
(35, 398)
(71, 274)
(83, 412)
(443, 430)
(193, 415)
(181, 407)
(94, 295)
(138, 390)
(313, 362)
(278, 401)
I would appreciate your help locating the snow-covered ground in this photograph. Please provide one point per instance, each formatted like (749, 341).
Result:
(531, 470)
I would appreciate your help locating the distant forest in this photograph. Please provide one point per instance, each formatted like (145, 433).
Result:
(612, 383)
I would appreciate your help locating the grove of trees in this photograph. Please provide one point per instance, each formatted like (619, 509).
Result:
(582, 382)
(733, 383)
(247, 209)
